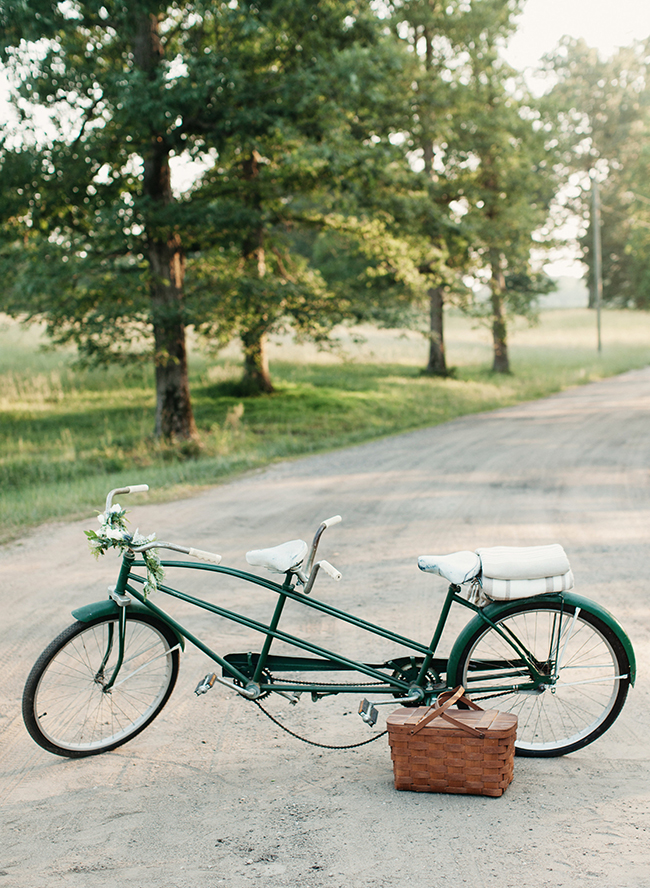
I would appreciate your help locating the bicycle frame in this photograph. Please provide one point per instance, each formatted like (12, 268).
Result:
(254, 674)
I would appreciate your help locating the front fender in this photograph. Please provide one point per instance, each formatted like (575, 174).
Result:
(497, 609)
(109, 608)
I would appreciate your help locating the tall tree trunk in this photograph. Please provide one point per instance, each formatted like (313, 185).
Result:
(174, 417)
(501, 362)
(257, 377)
(437, 365)
(427, 140)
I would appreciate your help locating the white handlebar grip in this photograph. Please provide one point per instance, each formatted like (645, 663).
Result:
(138, 488)
(332, 571)
(205, 556)
(330, 521)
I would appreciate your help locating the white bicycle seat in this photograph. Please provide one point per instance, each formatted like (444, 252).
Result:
(459, 567)
(279, 559)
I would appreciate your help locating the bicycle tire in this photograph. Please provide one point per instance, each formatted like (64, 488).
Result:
(570, 712)
(65, 707)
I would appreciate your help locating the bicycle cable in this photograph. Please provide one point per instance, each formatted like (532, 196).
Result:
(313, 742)
(350, 745)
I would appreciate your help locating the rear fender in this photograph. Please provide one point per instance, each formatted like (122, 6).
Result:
(501, 609)
(109, 608)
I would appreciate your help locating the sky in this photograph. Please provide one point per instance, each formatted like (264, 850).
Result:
(605, 24)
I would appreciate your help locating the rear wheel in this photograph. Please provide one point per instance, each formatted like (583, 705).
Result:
(67, 708)
(587, 668)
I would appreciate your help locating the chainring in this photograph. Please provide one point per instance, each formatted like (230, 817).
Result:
(267, 678)
(409, 672)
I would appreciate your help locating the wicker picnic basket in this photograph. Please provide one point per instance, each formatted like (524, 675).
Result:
(471, 751)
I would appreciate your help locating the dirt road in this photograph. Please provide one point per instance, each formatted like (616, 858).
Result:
(214, 794)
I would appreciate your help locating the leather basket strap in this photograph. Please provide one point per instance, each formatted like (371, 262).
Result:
(438, 710)
(442, 698)
(488, 719)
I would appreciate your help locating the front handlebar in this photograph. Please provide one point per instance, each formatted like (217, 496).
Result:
(201, 554)
(134, 488)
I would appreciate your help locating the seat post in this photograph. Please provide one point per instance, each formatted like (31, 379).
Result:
(273, 625)
(452, 592)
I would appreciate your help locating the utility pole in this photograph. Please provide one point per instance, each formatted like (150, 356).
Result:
(597, 249)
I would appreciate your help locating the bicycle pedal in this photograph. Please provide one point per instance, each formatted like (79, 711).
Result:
(368, 712)
(205, 684)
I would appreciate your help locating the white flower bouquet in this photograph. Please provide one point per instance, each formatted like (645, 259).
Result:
(113, 534)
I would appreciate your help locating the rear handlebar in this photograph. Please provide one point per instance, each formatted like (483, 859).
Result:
(312, 552)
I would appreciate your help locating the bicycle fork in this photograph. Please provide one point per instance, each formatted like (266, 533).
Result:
(122, 601)
(116, 593)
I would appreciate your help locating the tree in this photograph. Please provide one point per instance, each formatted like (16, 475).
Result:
(129, 88)
(315, 118)
(508, 199)
(105, 73)
(481, 144)
(504, 173)
(436, 34)
(603, 109)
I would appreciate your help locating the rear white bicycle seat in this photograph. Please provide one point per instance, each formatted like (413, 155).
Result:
(279, 559)
(459, 567)
(506, 572)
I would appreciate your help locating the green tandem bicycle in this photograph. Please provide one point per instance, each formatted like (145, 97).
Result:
(557, 660)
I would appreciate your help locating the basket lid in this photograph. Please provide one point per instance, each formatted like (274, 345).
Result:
(495, 724)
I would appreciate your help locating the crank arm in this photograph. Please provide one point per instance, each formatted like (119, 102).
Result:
(414, 696)
(292, 698)
(251, 692)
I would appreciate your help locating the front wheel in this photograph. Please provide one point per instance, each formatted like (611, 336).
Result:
(584, 669)
(67, 707)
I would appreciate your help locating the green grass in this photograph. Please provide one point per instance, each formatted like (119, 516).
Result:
(67, 436)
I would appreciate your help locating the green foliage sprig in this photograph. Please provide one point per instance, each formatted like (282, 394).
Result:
(113, 534)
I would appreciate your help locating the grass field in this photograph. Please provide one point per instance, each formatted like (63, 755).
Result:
(67, 436)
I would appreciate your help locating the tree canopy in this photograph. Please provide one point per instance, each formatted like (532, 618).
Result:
(485, 149)
(352, 161)
(267, 96)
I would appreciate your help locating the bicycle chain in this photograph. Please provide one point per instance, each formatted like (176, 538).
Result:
(331, 684)
(490, 696)
(313, 742)
(372, 684)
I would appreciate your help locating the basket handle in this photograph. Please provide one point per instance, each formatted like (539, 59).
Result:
(440, 709)
(437, 710)
(442, 698)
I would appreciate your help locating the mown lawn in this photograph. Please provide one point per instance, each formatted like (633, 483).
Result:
(67, 436)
